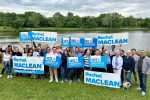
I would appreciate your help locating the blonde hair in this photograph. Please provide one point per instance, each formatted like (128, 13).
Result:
(87, 52)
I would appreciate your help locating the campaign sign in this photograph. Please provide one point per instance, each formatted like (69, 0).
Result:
(30, 65)
(90, 42)
(25, 36)
(97, 61)
(102, 79)
(113, 39)
(41, 36)
(74, 62)
(65, 42)
(51, 60)
(76, 42)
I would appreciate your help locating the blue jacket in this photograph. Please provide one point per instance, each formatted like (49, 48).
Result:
(128, 63)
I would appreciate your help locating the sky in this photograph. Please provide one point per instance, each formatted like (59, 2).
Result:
(78, 7)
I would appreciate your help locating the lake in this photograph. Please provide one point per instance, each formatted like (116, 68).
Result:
(137, 39)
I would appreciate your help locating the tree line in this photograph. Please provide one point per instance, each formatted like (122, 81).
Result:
(33, 19)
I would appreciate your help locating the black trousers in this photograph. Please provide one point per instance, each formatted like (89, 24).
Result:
(3, 70)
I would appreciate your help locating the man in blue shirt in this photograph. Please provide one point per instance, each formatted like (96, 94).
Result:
(75, 54)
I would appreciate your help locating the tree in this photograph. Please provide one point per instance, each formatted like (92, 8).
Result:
(93, 24)
(70, 14)
(107, 20)
(18, 23)
(59, 24)
(57, 14)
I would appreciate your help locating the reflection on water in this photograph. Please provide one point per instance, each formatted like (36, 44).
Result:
(137, 39)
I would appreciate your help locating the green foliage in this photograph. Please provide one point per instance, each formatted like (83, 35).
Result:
(59, 24)
(18, 23)
(33, 19)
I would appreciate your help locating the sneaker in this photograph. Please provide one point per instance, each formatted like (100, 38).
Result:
(78, 80)
(70, 82)
(7, 76)
(10, 76)
(34, 76)
(138, 88)
(31, 77)
(1, 75)
(143, 93)
(56, 80)
(62, 81)
(51, 80)
(66, 80)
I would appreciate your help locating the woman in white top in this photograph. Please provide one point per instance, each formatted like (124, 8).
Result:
(6, 58)
(25, 54)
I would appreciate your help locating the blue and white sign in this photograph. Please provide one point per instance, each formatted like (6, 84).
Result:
(102, 79)
(90, 42)
(51, 60)
(97, 61)
(40, 36)
(65, 42)
(25, 36)
(113, 39)
(76, 42)
(74, 62)
(30, 65)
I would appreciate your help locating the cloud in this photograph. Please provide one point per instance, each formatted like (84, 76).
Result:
(78, 7)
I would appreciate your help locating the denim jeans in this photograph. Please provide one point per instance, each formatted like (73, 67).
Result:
(72, 72)
(128, 76)
(8, 69)
(64, 69)
(17, 74)
(143, 79)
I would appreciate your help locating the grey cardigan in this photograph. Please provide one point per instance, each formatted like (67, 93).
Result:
(145, 65)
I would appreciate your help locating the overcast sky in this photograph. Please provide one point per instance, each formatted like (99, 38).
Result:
(78, 7)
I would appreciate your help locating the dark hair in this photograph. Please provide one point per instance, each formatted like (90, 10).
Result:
(57, 46)
(133, 49)
(122, 51)
(54, 47)
(76, 47)
(8, 50)
(113, 45)
(39, 44)
(9, 46)
(27, 50)
(49, 48)
(27, 45)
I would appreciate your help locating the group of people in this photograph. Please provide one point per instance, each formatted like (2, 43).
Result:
(117, 62)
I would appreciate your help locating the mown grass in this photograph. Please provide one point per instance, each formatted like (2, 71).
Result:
(26, 88)
(11, 29)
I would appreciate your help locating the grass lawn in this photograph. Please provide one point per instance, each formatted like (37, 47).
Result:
(26, 88)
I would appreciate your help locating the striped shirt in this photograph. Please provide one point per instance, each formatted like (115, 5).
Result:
(86, 61)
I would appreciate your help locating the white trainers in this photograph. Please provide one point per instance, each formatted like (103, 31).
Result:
(10, 76)
(7, 76)
(56, 80)
(1, 75)
(70, 82)
(51, 80)
(78, 80)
